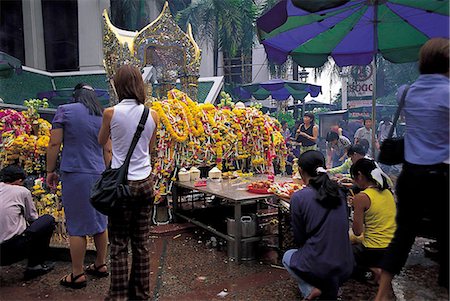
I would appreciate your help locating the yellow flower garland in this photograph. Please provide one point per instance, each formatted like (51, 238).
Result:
(192, 134)
(157, 106)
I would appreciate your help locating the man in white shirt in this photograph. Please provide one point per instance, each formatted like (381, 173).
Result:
(383, 128)
(22, 233)
(365, 132)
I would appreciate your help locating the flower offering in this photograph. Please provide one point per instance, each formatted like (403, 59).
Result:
(229, 137)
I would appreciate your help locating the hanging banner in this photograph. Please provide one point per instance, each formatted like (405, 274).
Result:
(360, 86)
(360, 90)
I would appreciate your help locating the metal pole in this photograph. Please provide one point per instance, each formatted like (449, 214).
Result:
(374, 95)
(294, 71)
(303, 108)
(295, 77)
(374, 105)
(344, 92)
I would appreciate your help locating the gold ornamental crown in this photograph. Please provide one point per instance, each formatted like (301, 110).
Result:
(162, 44)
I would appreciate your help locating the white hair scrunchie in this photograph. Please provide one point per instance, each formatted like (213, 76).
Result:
(381, 173)
(377, 175)
(320, 169)
(87, 87)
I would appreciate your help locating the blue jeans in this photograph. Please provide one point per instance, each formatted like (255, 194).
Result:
(305, 287)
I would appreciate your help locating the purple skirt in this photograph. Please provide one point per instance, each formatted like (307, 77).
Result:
(81, 218)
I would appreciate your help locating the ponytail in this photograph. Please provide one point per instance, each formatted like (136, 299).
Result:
(328, 192)
(370, 169)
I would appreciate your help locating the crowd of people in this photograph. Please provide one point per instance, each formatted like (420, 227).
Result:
(388, 227)
(94, 139)
(339, 138)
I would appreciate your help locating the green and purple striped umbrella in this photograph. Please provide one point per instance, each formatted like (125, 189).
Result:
(352, 33)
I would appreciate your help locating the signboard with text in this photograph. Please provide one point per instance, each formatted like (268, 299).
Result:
(360, 86)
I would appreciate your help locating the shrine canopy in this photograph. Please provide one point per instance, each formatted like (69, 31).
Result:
(278, 89)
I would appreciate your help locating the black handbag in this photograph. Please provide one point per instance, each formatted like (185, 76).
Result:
(392, 150)
(112, 187)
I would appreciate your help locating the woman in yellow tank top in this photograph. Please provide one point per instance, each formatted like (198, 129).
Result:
(374, 216)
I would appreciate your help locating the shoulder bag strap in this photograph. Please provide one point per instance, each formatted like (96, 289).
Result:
(401, 104)
(136, 137)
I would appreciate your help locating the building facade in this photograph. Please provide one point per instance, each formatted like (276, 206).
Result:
(66, 35)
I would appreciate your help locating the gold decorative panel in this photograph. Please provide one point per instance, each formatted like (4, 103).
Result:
(161, 44)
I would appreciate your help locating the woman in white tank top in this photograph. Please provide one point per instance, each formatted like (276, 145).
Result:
(119, 125)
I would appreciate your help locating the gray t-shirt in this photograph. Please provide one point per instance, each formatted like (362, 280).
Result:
(16, 207)
(341, 146)
(363, 133)
(383, 130)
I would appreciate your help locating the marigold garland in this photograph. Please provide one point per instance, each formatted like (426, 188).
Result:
(192, 134)
(157, 106)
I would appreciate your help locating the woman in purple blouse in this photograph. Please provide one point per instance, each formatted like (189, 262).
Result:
(76, 126)
(320, 224)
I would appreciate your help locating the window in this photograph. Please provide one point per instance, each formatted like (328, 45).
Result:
(11, 29)
(238, 69)
(61, 34)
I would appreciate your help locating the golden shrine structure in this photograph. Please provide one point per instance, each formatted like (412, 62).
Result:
(162, 45)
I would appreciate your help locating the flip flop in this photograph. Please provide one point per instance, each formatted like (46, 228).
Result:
(95, 271)
(72, 283)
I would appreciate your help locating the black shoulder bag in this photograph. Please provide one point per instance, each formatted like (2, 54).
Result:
(392, 150)
(112, 187)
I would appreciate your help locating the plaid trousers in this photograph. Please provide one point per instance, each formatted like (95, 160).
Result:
(130, 223)
(142, 189)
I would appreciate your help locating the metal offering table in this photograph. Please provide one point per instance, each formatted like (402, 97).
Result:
(235, 193)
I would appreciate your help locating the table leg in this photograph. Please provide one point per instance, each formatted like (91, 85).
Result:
(175, 201)
(280, 232)
(238, 234)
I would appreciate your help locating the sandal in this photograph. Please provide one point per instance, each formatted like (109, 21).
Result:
(72, 283)
(95, 271)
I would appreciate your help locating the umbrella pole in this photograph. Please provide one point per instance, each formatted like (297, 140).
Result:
(374, 105)
(374, 85)
(295, 77)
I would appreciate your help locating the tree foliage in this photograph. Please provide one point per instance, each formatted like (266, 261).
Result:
(228, 24)
(267, 5)
(285, 116)
(337, 100)
(178, 5)
(130, 14)
(391, 76)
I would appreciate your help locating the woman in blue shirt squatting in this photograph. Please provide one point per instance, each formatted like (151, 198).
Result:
(324, 259)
